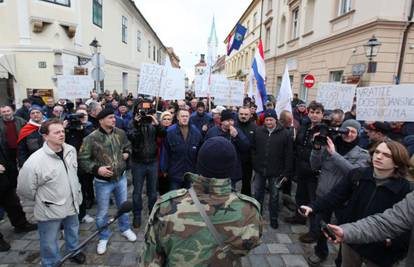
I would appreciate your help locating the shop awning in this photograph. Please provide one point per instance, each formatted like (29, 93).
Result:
(7, 65)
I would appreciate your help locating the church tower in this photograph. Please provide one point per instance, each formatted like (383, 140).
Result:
(212, 45)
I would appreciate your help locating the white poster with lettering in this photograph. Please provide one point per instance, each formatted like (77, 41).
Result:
(336, 95)
(385, 103)
(201, 85)
(236, 89)
(220, 90)
(74, 86)
(150, 79)
(172, 84)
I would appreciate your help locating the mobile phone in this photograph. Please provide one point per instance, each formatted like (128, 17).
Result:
(326, 229)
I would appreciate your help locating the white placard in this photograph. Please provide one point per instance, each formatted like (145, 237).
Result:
(220, 90)
(236, 93)
(201, 85)
(385, 103)
(336, 95)
(172, 84)
(74, 86)
(150, 79)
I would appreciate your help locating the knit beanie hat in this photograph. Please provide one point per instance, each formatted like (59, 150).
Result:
(270, 113)
(351, 123)
(226, 115)
(35, 107)
(216, 158)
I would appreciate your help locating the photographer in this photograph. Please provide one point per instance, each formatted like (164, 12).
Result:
(143, 131)
(335, 160)
(78, 127)
(368, 191)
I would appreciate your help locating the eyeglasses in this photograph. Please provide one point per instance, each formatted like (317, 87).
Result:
(166, 119)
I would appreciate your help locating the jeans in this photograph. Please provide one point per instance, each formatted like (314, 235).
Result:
(49, 238)
(140, 171)
(259, 194)
(103, 191)
(247, 172)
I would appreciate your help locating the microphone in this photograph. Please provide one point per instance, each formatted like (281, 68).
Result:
(125, 208)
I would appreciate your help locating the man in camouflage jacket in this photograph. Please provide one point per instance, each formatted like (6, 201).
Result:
(176, 234)
(104, 154)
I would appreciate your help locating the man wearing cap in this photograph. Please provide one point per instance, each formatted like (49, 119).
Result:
(104, 154)
(335, 161)
(235, 136)
(200, 119)
(30, 139)
(178, 235)
(376, 132)
(272, 151)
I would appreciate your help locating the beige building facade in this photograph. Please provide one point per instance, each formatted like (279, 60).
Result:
(327, 38)
(41, 39)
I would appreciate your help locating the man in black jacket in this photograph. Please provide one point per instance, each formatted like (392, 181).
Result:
(307, 177)
(248, 127)
(272, 159)
(143, 131)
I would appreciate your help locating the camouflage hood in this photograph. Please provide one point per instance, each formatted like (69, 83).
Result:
(209, 185)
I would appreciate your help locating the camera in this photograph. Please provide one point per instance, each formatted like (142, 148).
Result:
(75, 121)
(326, 131)
(144, 111)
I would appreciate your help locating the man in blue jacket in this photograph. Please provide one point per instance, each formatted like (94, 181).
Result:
(201, 118)
(236, 136)
(180, 150)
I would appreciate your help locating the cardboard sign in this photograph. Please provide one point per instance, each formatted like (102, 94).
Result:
(385, 103)
(336, 95)
(201, 86)
(227, 92)
(172, 84)
(74, 86)
(150, 79)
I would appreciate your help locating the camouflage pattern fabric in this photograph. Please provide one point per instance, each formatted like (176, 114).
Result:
(176, 234)
(101, 149)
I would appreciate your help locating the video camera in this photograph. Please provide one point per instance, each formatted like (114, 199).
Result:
(143, 110)
(325, 130)
(75, 121)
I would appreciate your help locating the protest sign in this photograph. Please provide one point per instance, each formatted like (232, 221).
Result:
(74, 86)
(172, 84)
(336, 95)
(201, 85)
(220, 90)
(236, 89)
(385, 103)
(150, 79)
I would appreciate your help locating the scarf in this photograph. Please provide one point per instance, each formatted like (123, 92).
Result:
(343, 147)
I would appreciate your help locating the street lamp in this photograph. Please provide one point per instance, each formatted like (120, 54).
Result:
(98, 62)
(95, 46)
(371, 51)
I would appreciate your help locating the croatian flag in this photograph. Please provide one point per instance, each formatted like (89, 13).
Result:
(229, 44)
(258, 68)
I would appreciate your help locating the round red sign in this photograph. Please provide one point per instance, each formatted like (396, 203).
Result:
(309, 81)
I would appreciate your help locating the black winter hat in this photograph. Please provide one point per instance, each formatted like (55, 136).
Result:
(216, 158)
(226, 115)
(270, 113)
(105, 112)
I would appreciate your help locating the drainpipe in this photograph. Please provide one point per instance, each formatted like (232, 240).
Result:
(404, 43)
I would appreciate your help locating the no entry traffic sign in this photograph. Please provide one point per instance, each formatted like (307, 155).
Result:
(309, 81)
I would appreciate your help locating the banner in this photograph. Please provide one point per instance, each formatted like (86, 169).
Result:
(74, 86)
(150, 79)
(336, 95)
(227, 92)
(201, 86)
(385, 103)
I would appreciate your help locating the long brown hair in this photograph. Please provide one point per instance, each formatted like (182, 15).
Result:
(400, 157)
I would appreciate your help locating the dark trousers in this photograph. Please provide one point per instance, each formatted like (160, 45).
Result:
(259, 194)
(11, 204)
(306, 190)
(247, 172)
(12, 171)
(86, 182)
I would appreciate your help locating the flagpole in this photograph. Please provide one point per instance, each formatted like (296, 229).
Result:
(261, 20)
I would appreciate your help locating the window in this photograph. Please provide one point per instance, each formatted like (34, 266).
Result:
(97, 12)
(267, 40)
(269, 5)
(247, 27)
(295, 23)
(149, 49)
(58, 2)
(303, 93)
(336, 76)
(254, 20)
(282, 30)
(310, 10)
(344, 7)
(139, 41)
(153, 53)
(124, 29)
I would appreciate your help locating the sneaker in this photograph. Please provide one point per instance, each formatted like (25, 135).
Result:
(308, 238)
(79, 258)
(130, 235)
(101, 248)
(25, 228)
(296, 219)
(136, 223)
(314, 260)
(87, 219)
(4, 246)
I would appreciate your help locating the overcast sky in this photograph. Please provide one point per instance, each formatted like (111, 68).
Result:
(185, 24)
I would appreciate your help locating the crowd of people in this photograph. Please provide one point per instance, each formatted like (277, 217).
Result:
(58, 159)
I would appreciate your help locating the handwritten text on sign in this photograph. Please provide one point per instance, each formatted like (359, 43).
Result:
(172, 84)
(74, 86)
(386, 103)
(336, 95)
(150, 79)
